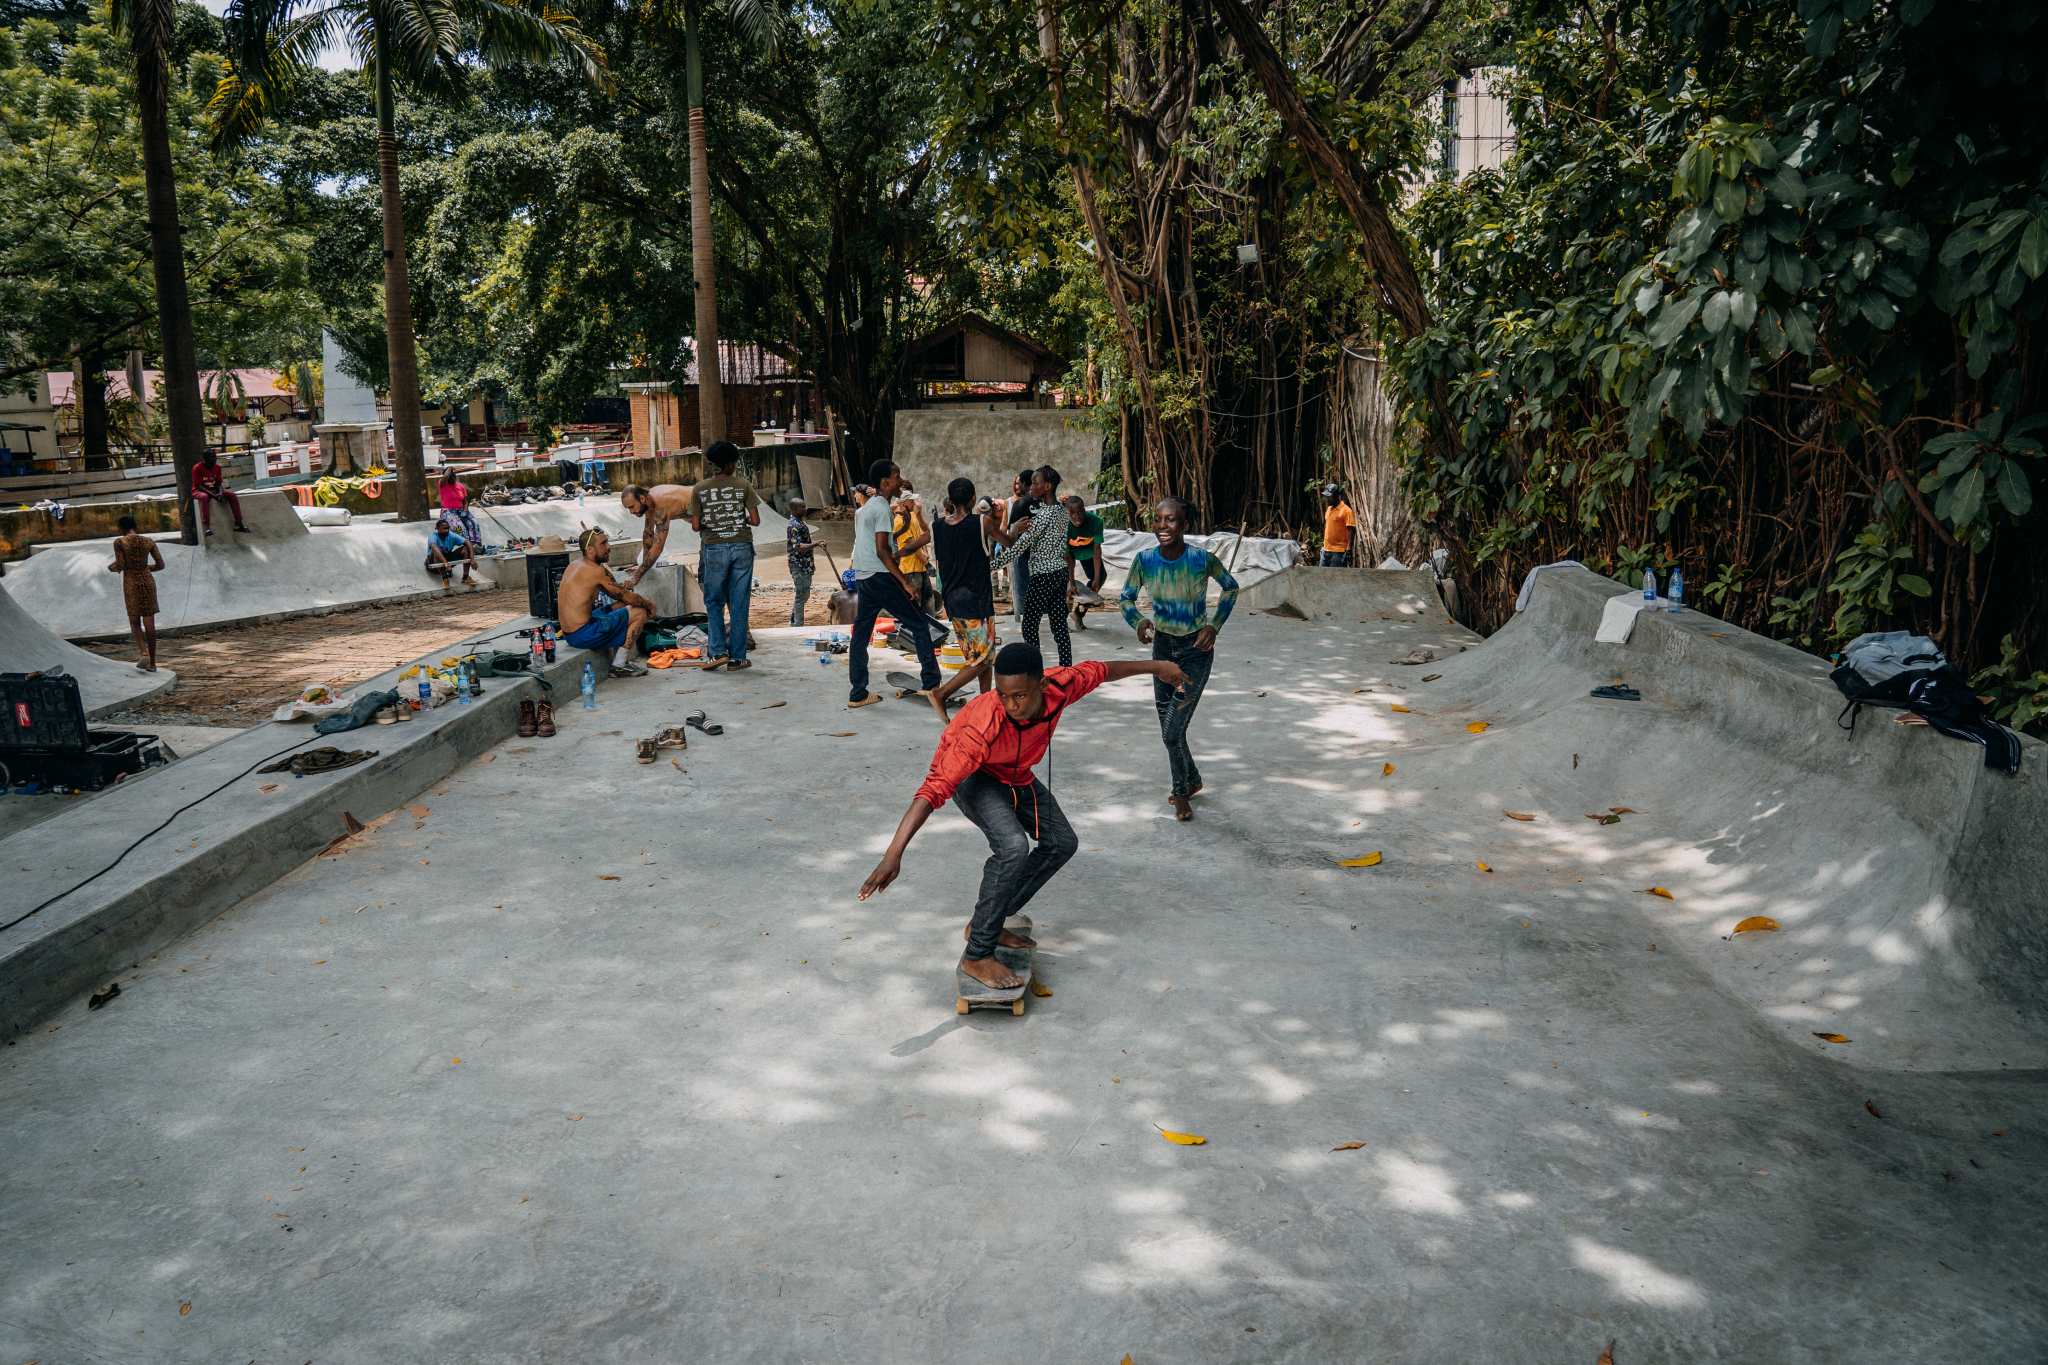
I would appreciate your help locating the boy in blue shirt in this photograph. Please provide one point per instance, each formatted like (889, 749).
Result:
(444, 547)
(1176, 576)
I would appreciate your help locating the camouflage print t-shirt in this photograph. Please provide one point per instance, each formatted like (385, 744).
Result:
(722, 502)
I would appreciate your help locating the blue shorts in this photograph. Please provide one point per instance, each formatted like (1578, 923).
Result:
(604, 630)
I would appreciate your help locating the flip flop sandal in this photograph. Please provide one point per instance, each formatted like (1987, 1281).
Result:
(869, 700)
(716, 661)
(643, 750)
(1617, 692)
(697, 721)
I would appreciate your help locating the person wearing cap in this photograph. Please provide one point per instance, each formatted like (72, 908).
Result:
(913, 543)
(1340, 528)
(803, 560)
(724, 509)
(983, 764)
(614, 625)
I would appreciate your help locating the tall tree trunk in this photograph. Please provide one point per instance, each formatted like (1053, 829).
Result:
(89, 382)
(703, 262)
(398, 333)
(150, 37)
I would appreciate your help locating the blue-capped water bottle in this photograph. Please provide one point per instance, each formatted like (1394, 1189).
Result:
(426, 690)
(462, 683)
(1649, 585)
(1676, 591)
(589, 688)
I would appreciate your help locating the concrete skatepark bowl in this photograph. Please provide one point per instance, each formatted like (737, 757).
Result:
(571, 1058)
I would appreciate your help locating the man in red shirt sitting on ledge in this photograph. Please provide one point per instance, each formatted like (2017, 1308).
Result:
(984, 763)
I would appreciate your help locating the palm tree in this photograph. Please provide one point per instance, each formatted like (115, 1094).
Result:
(419, 42)
(149, 25)
(760, 25)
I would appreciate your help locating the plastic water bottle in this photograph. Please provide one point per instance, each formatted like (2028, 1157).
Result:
(1649, 587)
(462, 683)
(589, 687)
(579, 495)
(426, 692)
(1676, 591)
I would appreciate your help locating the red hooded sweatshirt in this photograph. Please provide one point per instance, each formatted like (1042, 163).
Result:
(983, 739)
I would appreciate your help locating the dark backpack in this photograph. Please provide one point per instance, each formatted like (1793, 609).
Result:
(1899, 669)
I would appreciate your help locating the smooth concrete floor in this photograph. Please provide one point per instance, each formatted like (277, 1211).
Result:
(580, 1060)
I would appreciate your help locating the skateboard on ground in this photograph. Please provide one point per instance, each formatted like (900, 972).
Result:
(907, 687)
(972, 995)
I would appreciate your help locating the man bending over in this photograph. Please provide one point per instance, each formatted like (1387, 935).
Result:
(615, 626)
(984, 764)
(656, 507)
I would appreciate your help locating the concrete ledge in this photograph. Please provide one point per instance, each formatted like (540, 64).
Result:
(225, 848)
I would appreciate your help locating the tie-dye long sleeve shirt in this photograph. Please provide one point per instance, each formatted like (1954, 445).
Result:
(1179, 589)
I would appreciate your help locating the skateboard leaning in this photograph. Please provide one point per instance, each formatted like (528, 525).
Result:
(907, 687)
(972, 995)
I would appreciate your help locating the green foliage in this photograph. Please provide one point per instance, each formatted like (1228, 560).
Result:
(2018, 697)
(1764, 284)
(74, 265)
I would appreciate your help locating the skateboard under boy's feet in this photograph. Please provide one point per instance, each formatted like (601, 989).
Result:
(973, 995)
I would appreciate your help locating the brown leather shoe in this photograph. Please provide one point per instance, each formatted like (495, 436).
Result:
(527, 724)
(544, 719)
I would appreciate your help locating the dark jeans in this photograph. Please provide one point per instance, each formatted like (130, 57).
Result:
(1336, 559)
(878, 593)
(1176, 710)
(1011, 817)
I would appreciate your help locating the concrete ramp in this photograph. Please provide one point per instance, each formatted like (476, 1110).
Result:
(1906, 878)
(105, 684)
(1314, 594)
(283, 568)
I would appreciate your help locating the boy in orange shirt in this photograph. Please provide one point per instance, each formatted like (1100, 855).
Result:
(1340, 528)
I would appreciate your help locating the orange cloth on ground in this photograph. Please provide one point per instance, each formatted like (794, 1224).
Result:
(1338, 524)
(669, 658)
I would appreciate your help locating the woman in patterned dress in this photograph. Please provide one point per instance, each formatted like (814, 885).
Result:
(136, 559)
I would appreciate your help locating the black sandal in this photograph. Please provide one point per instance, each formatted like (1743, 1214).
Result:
(1617, 692)
(697, 720)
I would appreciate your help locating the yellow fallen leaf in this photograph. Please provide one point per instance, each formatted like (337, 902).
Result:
(1831, 1037)
(1606, 1356)
(1347, 1146)
(1518, 815)
(1475, 727)
(575, 1118)
(1757, 924)
(1659, 891)
(1126, 1360)
(1485, 867)
(1386, 770)
(1183, 1139)
(1369, 860)
(607, 877)
(1041, 990)
(455, 1061)
(1622, 810)
(1400, 708)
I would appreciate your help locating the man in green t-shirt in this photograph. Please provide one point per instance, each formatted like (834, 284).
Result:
(1084, 552)
(725, 509)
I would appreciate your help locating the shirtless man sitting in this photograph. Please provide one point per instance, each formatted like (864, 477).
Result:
(656, 507)
(587, 626)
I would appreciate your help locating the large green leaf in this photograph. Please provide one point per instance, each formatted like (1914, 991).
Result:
(1966, 497)
(2014, 490)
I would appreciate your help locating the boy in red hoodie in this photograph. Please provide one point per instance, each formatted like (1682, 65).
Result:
(984, 764)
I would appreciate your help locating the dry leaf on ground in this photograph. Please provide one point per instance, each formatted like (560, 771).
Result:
(1476, 727)
(1431, 677)
(1400, 708)
(1659, 892)
(1368, 860)
(838, 734)
(1041, 990)
(1347, 1146)
(773, 704)
(1484, 866)
(575, 1118)
(1831, 1037)
(1756, 924)
(455, 1061)
(267, 788)
(1872, 1108)
(1386, 770)
(1183, 1139)
(1621, 810)
(417, 812)
(184, 1307)
(607, 876)
(1518, 815)
(1606, 1356)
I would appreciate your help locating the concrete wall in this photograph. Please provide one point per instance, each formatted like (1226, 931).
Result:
(937, 445)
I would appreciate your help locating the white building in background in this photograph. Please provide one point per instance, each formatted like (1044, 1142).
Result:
(1476, 133)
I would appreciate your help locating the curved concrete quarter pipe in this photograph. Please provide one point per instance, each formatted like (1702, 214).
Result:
(1905, 878)
(104, 684)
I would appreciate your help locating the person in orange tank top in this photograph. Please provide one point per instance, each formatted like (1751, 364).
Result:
(1340, 529)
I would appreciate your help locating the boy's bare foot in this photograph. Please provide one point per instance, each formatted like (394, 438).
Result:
(991, 973)
(1182, 811)
(938, 705)
(1008, 938)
